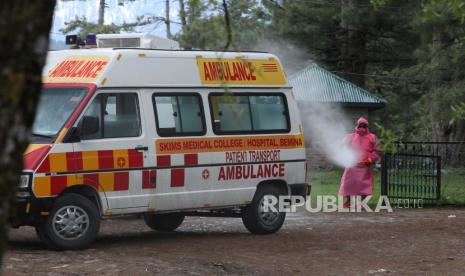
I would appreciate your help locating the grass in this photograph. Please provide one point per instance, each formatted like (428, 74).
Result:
(326, 182)
(453, 186)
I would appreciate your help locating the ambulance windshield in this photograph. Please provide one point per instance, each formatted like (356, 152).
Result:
(55, 107)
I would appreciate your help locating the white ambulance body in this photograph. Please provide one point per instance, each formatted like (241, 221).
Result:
(163, 133)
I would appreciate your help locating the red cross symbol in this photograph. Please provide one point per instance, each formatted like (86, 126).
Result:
(205, 174)
(121, 162)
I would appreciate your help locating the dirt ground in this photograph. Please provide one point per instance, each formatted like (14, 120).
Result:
(406, 242)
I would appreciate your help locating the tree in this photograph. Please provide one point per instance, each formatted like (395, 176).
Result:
(182, 13)
(351, 37)
(206, 27)
(435, 77)
(167, 19)
(80, 23)
(101, 10)
(84, 27)
(24, 32)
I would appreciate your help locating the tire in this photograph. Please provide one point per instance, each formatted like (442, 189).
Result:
(256, 220)
(73, 223)
(43, 237)
(164, 222)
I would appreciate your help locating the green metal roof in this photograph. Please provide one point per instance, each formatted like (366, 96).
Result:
(315, 84)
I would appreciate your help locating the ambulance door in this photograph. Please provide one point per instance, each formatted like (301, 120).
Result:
(181, 180)
(113, 148)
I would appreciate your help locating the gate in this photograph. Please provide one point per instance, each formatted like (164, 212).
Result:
(411, 177)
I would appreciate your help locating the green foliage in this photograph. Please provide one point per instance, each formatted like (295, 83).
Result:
(458, 112)
(386, 139)
(440, 11)
(206, 28)
(81, 25)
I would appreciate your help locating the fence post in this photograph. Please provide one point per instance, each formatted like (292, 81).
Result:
(383, 175)
(438, 187)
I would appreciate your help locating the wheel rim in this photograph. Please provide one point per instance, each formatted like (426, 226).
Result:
(267, 217)
(70, 222)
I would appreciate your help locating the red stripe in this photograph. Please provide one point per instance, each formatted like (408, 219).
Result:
(145, 179)
(78, 164)
(70, 161)
(45, 167)
(91, 179)
(149, 179)
(135, 159)
(191, 159)
(33, 159)
(121, 181)
(105, 159)
(177, 177)
(58, 184)
(164, 160)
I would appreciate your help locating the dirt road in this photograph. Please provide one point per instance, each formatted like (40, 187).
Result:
(406, 242)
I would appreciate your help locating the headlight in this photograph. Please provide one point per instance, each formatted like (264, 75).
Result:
(24, 181)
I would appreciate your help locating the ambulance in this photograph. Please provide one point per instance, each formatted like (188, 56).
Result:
(164, 134)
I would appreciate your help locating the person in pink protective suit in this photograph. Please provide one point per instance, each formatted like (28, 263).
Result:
(358, 180)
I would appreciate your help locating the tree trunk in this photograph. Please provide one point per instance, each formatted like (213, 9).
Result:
(182, 13)
(441, 129)
(24, 32)
(353, 46)
(167, 19)
(435, 85)
(101, 12)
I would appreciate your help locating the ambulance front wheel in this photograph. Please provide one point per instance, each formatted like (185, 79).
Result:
(164, 222)
(72, 224)
(262, 216)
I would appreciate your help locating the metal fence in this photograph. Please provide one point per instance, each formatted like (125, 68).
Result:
(427, 171)
(410, 176)
(452, 153)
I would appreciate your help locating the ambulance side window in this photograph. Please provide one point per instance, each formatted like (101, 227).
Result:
(118, 116)
(235, 113)
(178, 114)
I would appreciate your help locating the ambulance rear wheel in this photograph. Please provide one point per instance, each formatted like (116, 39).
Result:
(164, 222)
(72, 224)
(257, 219)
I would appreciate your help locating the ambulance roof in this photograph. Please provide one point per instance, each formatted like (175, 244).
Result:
(121, 67)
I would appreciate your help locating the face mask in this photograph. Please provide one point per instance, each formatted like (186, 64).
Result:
(362, 125)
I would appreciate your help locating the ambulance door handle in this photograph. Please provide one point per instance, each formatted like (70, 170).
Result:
(139, 148)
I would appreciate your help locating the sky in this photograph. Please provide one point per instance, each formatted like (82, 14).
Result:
(66, 11)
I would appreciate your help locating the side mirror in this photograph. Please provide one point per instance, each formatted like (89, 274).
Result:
(72, 136)
(89, 125)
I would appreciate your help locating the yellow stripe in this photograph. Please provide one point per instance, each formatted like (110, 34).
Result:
(120, 159)
(74, 179)
(90, 160)
(106, 182)
(61, 135)
(58, 162)
(42, 186)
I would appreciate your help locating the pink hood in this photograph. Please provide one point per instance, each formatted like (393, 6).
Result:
(362, 131)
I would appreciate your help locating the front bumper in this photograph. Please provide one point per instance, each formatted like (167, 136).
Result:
(30, 211)
(301, 189)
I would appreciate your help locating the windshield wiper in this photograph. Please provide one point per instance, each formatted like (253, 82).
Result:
(42, 135)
